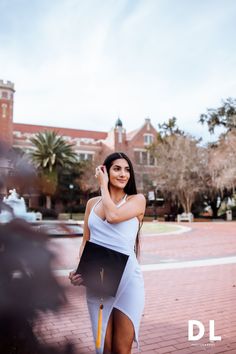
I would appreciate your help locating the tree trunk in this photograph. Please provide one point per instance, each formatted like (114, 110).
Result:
(183, 204)
(186, 203)
(190, 203)
(214, 210)
(48, 202)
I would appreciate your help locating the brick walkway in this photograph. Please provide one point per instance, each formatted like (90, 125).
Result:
(173, 296)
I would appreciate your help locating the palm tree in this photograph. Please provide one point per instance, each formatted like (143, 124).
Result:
(51, 153)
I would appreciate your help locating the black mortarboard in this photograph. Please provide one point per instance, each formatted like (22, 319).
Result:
(101, 268)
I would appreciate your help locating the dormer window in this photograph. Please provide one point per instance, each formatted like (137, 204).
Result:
(148, 139)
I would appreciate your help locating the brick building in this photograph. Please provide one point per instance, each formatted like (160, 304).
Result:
(88, 144)
(6, 111)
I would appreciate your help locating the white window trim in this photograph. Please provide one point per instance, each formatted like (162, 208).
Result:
(141, 157)
(150, 138)
(140, 149)
(86, 153)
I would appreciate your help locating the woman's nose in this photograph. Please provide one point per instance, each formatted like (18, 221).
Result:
(122, 172)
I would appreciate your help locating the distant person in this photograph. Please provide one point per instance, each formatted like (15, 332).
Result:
(113, 220)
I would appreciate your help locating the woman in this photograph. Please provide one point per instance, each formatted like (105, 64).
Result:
(113, 220)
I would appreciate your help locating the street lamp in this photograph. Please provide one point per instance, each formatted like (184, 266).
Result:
(154, 183)
(71, 187)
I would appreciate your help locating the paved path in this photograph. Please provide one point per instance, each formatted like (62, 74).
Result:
(189, 276)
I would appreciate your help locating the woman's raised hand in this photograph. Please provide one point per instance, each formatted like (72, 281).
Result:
(102, 175)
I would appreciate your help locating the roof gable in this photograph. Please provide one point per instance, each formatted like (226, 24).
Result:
(146, 128)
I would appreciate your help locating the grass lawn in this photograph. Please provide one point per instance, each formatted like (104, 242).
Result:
(147, 228)
(156, 228)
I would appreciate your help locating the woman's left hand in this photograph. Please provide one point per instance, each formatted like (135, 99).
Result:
(75, 279)
(101, 175)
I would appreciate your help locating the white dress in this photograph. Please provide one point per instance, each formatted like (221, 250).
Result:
(130, 294)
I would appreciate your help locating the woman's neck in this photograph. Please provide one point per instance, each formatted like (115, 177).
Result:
(117, 195)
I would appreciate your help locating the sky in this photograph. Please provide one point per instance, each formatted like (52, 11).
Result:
(83, 63)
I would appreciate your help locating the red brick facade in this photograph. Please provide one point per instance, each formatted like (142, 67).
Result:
(91, 144)
(6, 111)
(88, 144)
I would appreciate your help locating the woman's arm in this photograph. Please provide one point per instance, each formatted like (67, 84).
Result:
(135, 206)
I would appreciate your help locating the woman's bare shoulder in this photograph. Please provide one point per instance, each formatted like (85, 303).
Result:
(92, 201)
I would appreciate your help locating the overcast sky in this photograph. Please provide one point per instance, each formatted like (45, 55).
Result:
(83, 63)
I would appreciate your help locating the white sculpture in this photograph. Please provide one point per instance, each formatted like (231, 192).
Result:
(18, 208)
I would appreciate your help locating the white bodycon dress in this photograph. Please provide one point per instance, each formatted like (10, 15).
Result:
(130, 294)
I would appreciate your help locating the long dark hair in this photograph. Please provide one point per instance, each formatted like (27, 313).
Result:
(130, 187)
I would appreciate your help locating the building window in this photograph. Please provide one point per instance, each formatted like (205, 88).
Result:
(148, 139)
(85, 156)
(81, 157)
(137, 157)
(4, 94)
(144, 159)
(4, 110)
(151, 160)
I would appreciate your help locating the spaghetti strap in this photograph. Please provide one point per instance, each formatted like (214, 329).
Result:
(123, 200)
(95, 204)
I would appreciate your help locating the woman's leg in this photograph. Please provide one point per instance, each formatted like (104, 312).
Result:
(123, 333)
(109, 335)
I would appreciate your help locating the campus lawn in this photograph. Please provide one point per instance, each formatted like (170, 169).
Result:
(158, 228)
(147, 227)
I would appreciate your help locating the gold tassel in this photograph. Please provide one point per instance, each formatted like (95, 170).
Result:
(99, 330)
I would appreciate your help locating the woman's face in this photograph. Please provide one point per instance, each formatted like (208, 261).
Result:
(119, 173)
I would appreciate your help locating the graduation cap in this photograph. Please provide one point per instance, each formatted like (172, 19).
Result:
(101, 268)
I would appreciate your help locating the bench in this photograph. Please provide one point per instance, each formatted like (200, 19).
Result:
(185, 217)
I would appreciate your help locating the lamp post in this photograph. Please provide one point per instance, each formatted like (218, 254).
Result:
(154, 183)
(71, 187)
